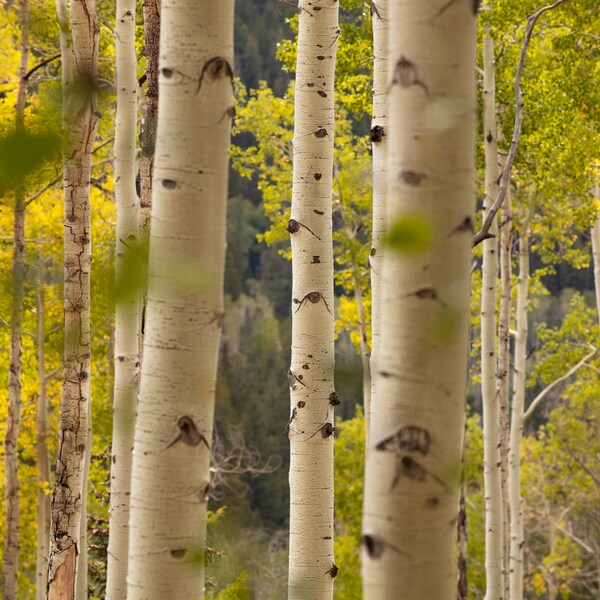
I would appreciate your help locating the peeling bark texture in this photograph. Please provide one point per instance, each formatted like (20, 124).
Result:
(503, 368)
(12, 541)
(311, 451)
(151, 13)
(517, 539)
(379, 139)
(127, 325)
(42, 455)
(491, 411)
(595, 235)
(80, 118)
(173, 431)
(414, 454)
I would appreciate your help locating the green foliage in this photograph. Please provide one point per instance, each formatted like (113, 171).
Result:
(409, 235)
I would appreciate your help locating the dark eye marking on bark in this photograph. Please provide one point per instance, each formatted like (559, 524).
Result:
(333, 571)
(321, 133)
(178, 552)
(411, 177)
(326, 430)
(294, 379)
(322, 94)
(377, 133)
(188, 433)
(301, 404)
(375, 11)
(313, 298)
(411, 468)
(167, 72)
(315, 260)
(321, 57)
(373, 545)
(286, 429)
(466, 225)
(405, 74)
(410, 438)
(294, 227)
(427, 292)
(432, 501)
(215, 68)
(334, 399)
(489, 137)
(318, 176)
(170, 184)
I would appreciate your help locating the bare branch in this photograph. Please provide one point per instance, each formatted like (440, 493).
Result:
(552, 385)
(40, 65)
(482, 234)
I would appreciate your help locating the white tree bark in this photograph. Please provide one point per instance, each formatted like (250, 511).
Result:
(312, 395)
(80, 119)
(491, 412)
(127, 355)
(170, 478)
(503, 370)
(41, 446)
(414, 455)
(517, 539)
(379, 139)
(595, 234)
(12, 488)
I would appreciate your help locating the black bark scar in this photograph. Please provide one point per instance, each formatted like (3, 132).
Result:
(312, 297)
(215, 67)
(188, 433)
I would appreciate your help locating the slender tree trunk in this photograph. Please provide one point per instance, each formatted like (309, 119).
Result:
(364, 344)
(413, 461)
(12, 541)
(80, 119)
(151, 13)
(491, 412)
(127, 356)
(595, 234)
(170, 477)
(503, 370)
(312, 395)
(379, 139)
(462, 591)
(516, 428)
(81, 585)
(43, 457)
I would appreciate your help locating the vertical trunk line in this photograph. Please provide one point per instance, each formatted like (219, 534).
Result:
(379, 139)
(595, 235)
(127, 342)
(491, 412)
(12, 489)
(517, 540)
(80, 119)
(312, 395)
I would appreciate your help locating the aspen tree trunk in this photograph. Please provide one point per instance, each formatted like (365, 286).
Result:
(151, 13)
(127, 344)
(595, 234)
(12, 541)
(503, 369)
(80, 119)
(312, 395)
(516, 428)
(462, 591)
(379, 139)
(41, 446)
(173, 434)
(364, 344)
(414, 456)
(491, 412)
(81, 584)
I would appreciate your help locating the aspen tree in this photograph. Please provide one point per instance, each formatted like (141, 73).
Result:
(595, 235)
(379, 138)
(80, 117)
(491, 412)
(127, 355)
(414, 455)
(312, 395)
(12, 541)
(41, 445)
(517, 539)
(173, 433)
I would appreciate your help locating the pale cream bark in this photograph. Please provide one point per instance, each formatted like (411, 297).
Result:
(379, 139)
(127, 343)
(517, 539)
(80, 117)
(491, 411)
(41, 446)
(12, 488)
(595, 234)
(503, 369)
(414, 455)
(173, 434)
(312, 395)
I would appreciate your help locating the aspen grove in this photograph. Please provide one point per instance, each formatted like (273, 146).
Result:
(300, 299)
